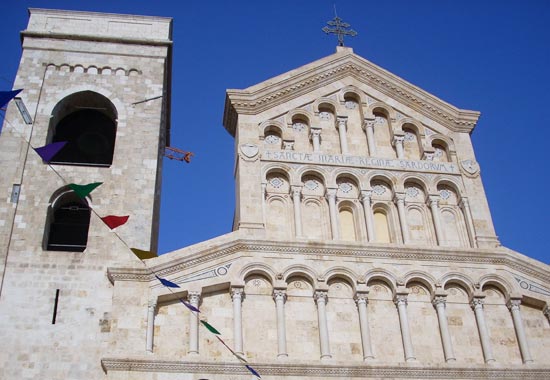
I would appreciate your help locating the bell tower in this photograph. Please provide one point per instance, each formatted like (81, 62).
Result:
(100, 83)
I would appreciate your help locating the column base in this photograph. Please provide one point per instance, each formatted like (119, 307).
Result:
(282, 356)
(411, 359)
(326, 357)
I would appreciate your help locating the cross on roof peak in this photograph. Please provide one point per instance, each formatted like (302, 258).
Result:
(340, 29)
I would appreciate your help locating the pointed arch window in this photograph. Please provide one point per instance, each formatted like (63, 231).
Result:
(68, 223)
(87, 121)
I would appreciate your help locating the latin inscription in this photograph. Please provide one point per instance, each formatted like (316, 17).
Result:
(360, 161)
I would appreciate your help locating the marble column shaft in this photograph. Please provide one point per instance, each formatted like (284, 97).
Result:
(194, 300)
(369, 131)
(398, 143)
(439, 303)
(316, 139)
(401, 303)
(151, 311)
(341, 125)
(335, 228)
(477, 305)
(465, 205)
(362, 301)
(369, 218)
(321, 300)
(297, 200)
(434, 206)
(237, 297)
(400, 201)
(279, 295)
(514, 306)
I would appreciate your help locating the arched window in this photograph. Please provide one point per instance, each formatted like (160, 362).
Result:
(87, 121)
(347, 224)
(68, 223)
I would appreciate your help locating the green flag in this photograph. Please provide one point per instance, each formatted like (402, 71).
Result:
(143, 255)
(210, 328)
(83, 190)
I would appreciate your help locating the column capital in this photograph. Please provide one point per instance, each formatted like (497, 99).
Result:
(368, 123)
(319, 295)
(153, 303)
(513, 304)
(477, 302)
(315, 132)
(279, 294)
(194, 297)
(288, 145)
(546, 311)
(399, 197)
(398, 140)
(400, 299)
(341, 121)
(331, 193)
(439, 300)
(464, 203)
(433, 200)
(361, 298)
(296, 190)
(237, 293)
(366, 195)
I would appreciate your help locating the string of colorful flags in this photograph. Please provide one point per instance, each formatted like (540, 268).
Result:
(49, 151)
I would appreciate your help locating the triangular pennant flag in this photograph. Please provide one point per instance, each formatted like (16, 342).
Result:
(253, 371)
(83, 190)
(210, 327)
(143, 255)
(47, 152)
(6, 96)
(114, 221)
(189, 306)
(167, 283)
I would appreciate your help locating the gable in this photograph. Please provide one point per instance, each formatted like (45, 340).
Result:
(339, 67)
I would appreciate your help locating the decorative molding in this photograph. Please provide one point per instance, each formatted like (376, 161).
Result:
(497, 257)
(279, 90)
(439, 371)
(532, 287)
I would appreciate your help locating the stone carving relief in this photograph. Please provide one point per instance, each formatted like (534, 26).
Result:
(470, 168)
(249, 151)
(299, 126)
(532, 287)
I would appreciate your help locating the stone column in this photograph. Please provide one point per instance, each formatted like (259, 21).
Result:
(264, 193)
(369, 218)
(513, 304)
(335, 228)
(341, 125)
(237, 297)
(401, 303)
(315, 134)
(194, 299)
(439, 303)
(398, 143)
(151, 310)
(465, 206)
(434, 206)
(320, 297)
(399, 199)
(369, 130)
(279, 295)
(361, 299)
(297, 200)
(477, 305)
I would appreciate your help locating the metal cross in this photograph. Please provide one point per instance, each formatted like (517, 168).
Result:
(339, 29)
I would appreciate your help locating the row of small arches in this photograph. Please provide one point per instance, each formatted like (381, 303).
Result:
(95, 70)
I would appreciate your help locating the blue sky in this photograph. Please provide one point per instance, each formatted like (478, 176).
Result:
(490, 56)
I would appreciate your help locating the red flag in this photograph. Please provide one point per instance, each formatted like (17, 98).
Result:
(187, 156)
(114, 221)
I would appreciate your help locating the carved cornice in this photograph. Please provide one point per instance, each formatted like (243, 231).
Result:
(181, 263)
(441, 371)
(281, 89)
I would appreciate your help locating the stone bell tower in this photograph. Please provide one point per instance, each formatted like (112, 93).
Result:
(101, 83)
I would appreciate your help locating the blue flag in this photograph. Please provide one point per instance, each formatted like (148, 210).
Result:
(6, 96)
(253, 371)
(167, 283)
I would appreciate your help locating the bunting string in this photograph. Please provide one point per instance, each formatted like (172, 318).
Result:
(113, 221)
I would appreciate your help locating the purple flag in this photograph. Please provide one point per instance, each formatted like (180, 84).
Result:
(47, 152)
(167, 283)
(253, 371)
(189, 306)
(6, 96)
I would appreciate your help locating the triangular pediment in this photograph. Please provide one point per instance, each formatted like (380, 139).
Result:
(342, 64)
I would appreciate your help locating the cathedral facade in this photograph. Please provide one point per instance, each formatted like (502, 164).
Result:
(362, 243)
